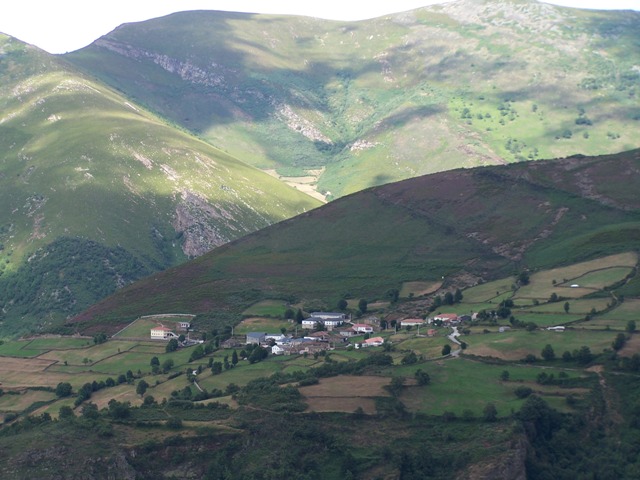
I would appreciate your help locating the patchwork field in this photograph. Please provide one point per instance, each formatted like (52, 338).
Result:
(345, 393)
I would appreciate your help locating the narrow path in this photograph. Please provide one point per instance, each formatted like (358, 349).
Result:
(454, 338)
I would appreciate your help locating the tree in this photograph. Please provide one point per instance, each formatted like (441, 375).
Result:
(631, 326)
(409, 359)
(65, 412)
(342, 304)
(504, 376)
(141, 388)
(457, 297)
(155, 361)
(566, 307)
(362, 305)
(619, 342)
(167, 365)
(172, 346)
(234, 358)
(548, 353)
(393, 295)
(63, 389)
(216, 368)
(553, 297)
(584, 355)
(448, 298)
(396, 386)
(490, 413)
(422, 377)
(446, 350)
(289, 314)
(523, 278)
(299, 316)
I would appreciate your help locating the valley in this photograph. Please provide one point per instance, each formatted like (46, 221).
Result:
(238, 246)
(506, 360)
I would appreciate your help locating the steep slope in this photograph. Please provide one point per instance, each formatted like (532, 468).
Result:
(351, 105)
(96, 192)
(462, 226)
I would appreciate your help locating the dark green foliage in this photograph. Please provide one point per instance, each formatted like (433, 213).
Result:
(522, 391)
(63, 389)
(619, 342)
(409, 359)
(548, 353)
(362, 305)
(490, 413)
(141, 388)
(446, 350)
(172, 345)
(422, 377)
(67, 276)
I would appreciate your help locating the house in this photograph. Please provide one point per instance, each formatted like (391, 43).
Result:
(329, 316)
(319, 336)
(184, 326)
(255, 337)
(312, 347)
(331, 323)
(279, 350)
(347, 332)
(276, 337)
(446, 318)
(373, 342)
(161, 332)
(361, 328)
(230, 343)
(411, 322)
(309, 323)
(432, 332)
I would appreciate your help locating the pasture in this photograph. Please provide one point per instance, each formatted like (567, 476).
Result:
(262, 324)
(266, 308)
(417, 289)
(517, 344)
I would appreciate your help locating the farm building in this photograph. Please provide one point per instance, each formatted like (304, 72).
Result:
(255, 337)
(329, 316)
(309, 323)
(445, 318)
(373, 342)
(184, 326)
(411, 322)
(362, 328)
(161, 332)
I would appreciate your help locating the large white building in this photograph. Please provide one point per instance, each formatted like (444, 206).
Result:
(161, 332)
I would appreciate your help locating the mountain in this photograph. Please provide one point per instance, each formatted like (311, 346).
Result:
(341, 106)
(97, 191)
(460, 227)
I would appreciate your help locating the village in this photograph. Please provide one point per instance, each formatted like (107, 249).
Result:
(321, 331)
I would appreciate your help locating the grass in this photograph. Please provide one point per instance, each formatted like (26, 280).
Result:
(266, 308)
(454, 387)
(261, 324)
(517, 344)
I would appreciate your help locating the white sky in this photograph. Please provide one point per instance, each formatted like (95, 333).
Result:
(60, 26)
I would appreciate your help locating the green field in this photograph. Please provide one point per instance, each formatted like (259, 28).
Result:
(266, 308)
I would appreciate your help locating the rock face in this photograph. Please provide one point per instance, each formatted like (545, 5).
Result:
(510, 465)
(61, 462)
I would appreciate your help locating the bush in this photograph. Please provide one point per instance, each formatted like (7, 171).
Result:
(523, 392)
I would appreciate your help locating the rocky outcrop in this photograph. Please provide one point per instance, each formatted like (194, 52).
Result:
(509, 465)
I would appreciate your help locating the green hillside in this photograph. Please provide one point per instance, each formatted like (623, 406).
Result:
(461, 227)
(352, 105)
(97, 192)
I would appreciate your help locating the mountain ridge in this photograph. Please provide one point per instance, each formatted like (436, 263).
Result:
(375, 101)
(461, 227)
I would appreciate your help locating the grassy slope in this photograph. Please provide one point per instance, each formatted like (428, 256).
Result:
(463, 84)
(78, 160)
(479, 223)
